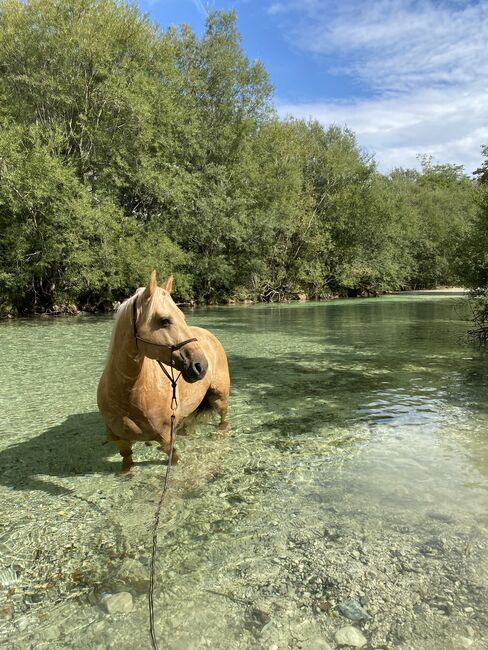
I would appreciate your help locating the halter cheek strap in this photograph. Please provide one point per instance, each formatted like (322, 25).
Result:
(171, 348)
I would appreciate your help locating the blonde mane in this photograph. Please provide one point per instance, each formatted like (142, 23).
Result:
(126, 307)
(128, 302)
(122, 310)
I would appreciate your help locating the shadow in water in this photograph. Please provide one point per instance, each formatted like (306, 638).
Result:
(301, 396)
(74, 448)
(303, 393)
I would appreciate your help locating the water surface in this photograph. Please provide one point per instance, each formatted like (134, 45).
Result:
(356, 468)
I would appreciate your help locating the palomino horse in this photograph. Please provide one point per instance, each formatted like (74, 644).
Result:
(134, 394)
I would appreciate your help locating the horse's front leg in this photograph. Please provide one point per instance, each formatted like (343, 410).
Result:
(165, 443)
(125, 450)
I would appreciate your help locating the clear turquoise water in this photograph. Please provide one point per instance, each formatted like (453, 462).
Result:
(356, 467)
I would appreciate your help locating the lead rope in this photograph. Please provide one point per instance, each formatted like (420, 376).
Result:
(174, 406)
(152, 565)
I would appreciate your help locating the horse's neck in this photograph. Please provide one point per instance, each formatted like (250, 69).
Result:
(125, 361)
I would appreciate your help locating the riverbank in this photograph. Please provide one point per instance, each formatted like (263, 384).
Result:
(441, 291)
(111, 307)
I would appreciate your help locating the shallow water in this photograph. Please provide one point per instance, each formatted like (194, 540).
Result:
(356, 468)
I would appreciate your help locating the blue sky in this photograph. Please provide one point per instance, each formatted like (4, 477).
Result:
(407, 76)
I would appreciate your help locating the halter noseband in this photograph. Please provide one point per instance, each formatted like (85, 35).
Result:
(172, 348)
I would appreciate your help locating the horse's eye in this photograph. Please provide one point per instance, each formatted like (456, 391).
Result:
(165, 322)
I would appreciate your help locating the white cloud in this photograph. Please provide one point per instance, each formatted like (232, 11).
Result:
(277, 8)
(424, 62)
(399, 44)
(449, 124)
(200, 7)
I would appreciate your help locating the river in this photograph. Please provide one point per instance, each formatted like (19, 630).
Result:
(355, 475)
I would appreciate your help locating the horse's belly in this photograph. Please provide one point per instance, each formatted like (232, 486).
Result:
(132, 428)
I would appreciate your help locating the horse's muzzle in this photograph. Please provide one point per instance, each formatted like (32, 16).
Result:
(194, 367)
(194, 371)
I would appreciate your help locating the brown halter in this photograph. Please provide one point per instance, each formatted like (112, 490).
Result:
(171, 348)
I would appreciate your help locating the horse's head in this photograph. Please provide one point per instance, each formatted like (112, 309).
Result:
(160, 330)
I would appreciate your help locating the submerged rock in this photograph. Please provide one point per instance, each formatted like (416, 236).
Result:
(120, 603)
(134, 575)
(8, 577)
(349, 635)
(352, 610)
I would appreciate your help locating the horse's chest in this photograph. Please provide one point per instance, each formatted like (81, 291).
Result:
(138, 414)
(149, 411)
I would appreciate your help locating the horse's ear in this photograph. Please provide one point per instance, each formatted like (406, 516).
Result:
(151, 287)
(168, 283)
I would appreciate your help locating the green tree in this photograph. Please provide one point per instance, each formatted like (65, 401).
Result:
(150, 148)
(59, 242)
(473, 260)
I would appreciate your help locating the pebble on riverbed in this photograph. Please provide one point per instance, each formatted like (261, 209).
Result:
(134, 575)
(350, 636)
(121, 603)
(352, 610)
(8, 577)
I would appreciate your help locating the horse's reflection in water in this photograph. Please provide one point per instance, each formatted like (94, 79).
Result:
(150, 339)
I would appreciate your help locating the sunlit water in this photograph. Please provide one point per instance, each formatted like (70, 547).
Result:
(356, 468)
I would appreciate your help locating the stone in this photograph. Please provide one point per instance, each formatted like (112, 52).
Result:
(99, 627)
(261, 615)
(464, 642)
(352, 609)
(120, 603)
(22, 624)
(8, 577)
(351, 636)
(50, 633)
(134, 575)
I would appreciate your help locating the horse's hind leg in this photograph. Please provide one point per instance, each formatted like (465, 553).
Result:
(220, 402)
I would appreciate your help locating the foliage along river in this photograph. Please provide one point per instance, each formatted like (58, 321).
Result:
(357, 469)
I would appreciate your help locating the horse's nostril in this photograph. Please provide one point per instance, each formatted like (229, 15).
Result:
(197, 367)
